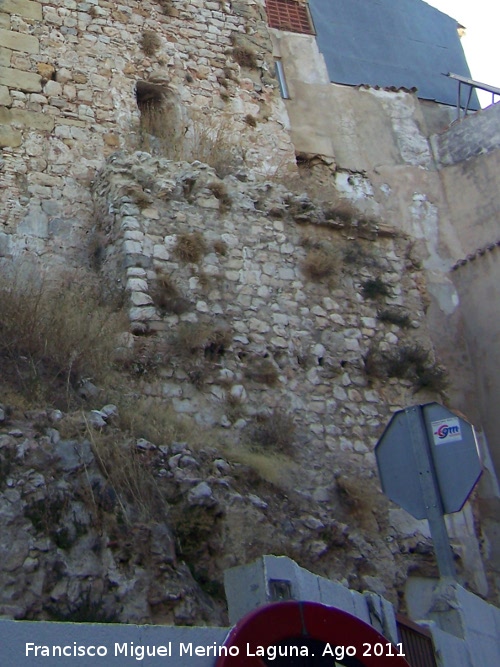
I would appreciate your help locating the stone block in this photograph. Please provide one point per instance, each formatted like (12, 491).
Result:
(34, 224)
(31, 119)
(5, 55)
(25, 8)
(9, 137)
(5, 98)
(18, 41)
(4, 21)
(71, 121)
(4, 244)
(25, 81)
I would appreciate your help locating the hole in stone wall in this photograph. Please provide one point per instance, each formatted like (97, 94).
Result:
(162, 124)
(151, 100)
(149, 95)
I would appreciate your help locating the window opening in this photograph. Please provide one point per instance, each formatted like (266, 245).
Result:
(289, 15)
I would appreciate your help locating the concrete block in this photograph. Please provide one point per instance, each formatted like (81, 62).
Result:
(419, 593)
(479, 615)
(245, 588)
(25, 8)
(336, 595)
(18, 41)
(281, 568)
(248, 587)
(10, 138)
(382, 616)
(306, 585)
(25, 81)
(4, 20)
(122, 644)
(452, 651)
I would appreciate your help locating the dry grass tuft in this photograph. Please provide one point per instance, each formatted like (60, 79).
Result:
(128, 471)
(190, 247)
(208, 138)
(245, 56)
(220, 247)
(273, 468)
(167, 297)
(275, 431)
(153, 420)
(53, 335)
(220, 192)
(167, 6)
(320, 263)
(207, 340)
(263, 371)
(150, 42)
(409, 362)
(250, 120)
(343, 211)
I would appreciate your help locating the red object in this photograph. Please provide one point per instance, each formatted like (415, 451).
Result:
(289, 15)
(292, 620)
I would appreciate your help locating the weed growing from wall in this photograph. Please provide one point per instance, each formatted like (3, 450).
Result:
(220, 247)
(409, 362)
(262, 371)
(53, 335)
(397, 316)
(208, 138)
(167, 6)
(166, 296)
(190, 247)
(150, 42)
(274, 432)
(127, 470)
(323, 259)
(245, 56)
(375, 288)
(205, 340)
(219, 191)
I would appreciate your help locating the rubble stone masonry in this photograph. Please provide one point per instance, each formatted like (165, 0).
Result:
(68, 72)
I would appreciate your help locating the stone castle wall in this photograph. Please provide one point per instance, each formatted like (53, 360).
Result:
(68, 72)
(308, 347)
(68, 78)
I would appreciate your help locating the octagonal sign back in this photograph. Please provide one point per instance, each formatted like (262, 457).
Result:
(454, 454)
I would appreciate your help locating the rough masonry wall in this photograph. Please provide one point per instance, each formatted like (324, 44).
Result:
(442, 190)
(308, 347)
(469, 161)
(468, 155)
(68, 72)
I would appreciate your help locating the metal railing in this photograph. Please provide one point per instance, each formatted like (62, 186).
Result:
(463, 80)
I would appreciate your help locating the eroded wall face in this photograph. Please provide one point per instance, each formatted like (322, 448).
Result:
(469, 158)
(67, 98)
(404, 161)
(477, 285)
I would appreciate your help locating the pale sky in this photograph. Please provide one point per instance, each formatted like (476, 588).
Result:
(481, 42)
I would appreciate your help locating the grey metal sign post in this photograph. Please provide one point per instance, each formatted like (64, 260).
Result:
(428, 464)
